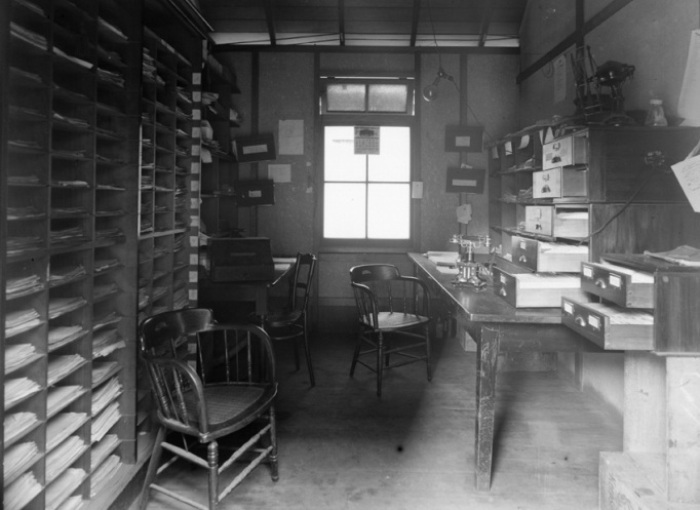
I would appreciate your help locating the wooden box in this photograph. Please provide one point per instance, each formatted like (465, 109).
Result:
(560, 182)
(541, 256)
(609, 326)
(536, 290)
(621, 285)
(556, 221)
(567, 150)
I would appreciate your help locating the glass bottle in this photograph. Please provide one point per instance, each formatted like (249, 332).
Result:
(655, 115)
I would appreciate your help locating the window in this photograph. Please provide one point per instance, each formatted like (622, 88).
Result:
(367, 182)
(351, 96)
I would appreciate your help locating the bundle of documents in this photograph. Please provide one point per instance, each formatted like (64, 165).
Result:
(106, 319)
(60, 396)
(23, 286)
(148, 66)
(105, 421)
(105, 26)
(17, 355)
(105, 343)
(73, 121)
(101, 370)
(17, 458)
(684, 255)
(111, 77)
(21, 492)
(103, 290)
(31, 6)
(104, 473)
(60, 366)
(60, 306)
(61, 275)
(68, 235)
(19, 388)
(101, 450)
(25, 212)
(62, 335)
(63, 486)
(108, 233)
(16, 423)
(63, 456)
(72, 503)
(17, 244)
(79, 61)
(61, 426)
(26, 35)
(105, 395)
(21, 321)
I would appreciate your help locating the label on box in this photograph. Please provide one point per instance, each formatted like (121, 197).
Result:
(615, 280)
(594, 321)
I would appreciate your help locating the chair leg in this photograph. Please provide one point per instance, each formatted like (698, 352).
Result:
(152, 468)
(213, 461)
(380, 363)
(308, 357)
(358, 346)
(428, 353)
(274, 468)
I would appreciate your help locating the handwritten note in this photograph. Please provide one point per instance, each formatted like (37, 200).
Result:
(688, 174)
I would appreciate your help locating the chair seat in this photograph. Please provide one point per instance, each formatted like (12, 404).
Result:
(282, 319)
(389, 321)
(226, 407)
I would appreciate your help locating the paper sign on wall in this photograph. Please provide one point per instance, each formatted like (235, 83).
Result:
(291, 137)
(366, 140)
(279, 172)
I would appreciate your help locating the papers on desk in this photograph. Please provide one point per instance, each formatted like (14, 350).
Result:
(446, 261)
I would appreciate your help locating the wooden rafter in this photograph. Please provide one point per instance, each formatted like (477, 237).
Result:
(414, 22)
(487, 11)
(270, 18)
(341, 22)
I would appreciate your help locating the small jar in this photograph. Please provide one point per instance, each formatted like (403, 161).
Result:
(655, 115)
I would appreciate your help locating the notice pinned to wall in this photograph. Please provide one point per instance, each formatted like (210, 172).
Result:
(366, 139)
(279, 172)
(291, 137)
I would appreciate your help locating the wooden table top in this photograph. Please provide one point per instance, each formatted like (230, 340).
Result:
(483, 305)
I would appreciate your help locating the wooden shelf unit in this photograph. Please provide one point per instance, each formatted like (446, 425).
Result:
(69, 159)
(219, 211)
(630, 203)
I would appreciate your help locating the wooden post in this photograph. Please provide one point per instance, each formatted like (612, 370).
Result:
(683, 428)
(645, 400)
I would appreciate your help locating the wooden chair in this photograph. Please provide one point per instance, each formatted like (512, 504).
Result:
(233, 387)
(393, 318)
(291, 323)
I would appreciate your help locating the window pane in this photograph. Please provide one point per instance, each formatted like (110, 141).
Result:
(389, 211)
(340, 161)
(393, 163)
(346, 97)
(344, 211)
(387, 98)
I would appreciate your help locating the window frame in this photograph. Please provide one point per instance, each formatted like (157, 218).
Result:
(363, 245)
(410, 95)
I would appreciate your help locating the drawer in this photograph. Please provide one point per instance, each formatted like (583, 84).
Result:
(566, 151)
(541, 256)
(536, 290)
(560, 182)
(556, 221)
(623, 286)
(609, 326)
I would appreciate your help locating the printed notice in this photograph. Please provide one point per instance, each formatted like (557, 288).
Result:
(366, 140)
(291, 137)
(688, 174)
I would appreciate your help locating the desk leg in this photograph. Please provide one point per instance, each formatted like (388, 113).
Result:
(487, 364)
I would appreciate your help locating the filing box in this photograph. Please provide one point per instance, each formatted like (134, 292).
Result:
(536, 290)
(560, 182)
(609, 326)
(621, 285)
(556, 221)
(568, 150)
(542, 256)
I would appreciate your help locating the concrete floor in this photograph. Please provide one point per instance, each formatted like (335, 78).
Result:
(341, 447)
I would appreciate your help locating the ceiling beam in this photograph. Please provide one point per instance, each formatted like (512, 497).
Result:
(270, 18)
(294, 48)
(575, 38)
(414, 22)
(487, 12)
(341, 22)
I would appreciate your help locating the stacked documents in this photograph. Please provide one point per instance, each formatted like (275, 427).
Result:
(60, 396)
(21, 321)
(18, 458)
(63, 487)
(63, 456)
(104, 473)
(102, 449)
(105, 421)
(15, 424)
(17, 389)
(104, 395)
(61, 426)
(17, 355)
(21, 492)
(61, 366)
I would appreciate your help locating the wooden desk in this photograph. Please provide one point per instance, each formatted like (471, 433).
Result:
(221, 295)
(497, 328)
